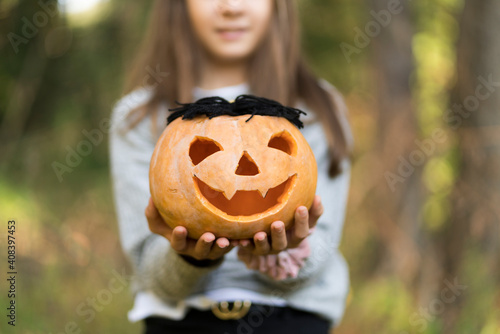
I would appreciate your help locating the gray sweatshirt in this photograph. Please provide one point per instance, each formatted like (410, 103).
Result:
(163, 281)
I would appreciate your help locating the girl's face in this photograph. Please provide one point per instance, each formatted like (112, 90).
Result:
(230, 29)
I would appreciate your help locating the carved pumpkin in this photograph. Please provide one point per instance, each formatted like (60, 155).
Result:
(231, 175)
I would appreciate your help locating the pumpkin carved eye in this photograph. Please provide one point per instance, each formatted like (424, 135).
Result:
(201, 148)
(283, 141)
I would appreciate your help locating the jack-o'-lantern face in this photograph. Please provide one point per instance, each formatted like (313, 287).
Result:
(240, 189)
(231, 177)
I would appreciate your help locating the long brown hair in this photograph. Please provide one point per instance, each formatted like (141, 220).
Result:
(278, 70)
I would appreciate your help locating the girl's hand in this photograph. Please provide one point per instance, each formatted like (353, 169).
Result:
(207, 247)
(281, 239)
(286, 264)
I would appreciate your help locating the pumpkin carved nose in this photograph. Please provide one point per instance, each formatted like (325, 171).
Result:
(246, 166)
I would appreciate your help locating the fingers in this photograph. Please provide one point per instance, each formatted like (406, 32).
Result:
(304, 221)
(315, 212)
(155, 221)
(220, 248)
(179, 240)
(203, 246)
(206, 247)
(244, 255)
(245, 243)
(262, 246)
(278, 236)
(222, 243)
(300, 228)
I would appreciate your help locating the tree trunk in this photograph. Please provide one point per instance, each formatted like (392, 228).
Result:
(396, 205)
(475, 220)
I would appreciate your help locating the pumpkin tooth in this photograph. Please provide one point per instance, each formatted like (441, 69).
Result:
(229, 193)
(263, 192)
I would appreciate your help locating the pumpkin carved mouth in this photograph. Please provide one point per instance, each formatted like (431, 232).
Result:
(246, 202)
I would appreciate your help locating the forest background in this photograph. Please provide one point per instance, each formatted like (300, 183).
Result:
(422, 82)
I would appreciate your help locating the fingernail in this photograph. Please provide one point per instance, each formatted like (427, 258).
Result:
(280, 228)
(303, 212)
(261, 238)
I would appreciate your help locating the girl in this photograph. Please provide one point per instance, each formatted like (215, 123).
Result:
(201, 48)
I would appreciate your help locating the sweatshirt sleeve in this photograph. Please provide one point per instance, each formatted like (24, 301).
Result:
(157, 267)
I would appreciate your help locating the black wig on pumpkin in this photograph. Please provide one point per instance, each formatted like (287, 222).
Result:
(243, 105)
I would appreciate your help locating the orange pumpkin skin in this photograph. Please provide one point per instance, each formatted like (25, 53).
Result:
(210, 175)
